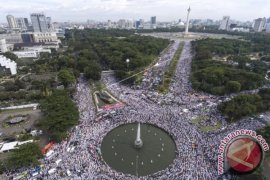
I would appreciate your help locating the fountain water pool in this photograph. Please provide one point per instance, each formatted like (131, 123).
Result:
(156, 153)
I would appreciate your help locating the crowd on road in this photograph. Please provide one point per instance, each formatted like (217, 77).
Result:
(154, 76)
(174, 112)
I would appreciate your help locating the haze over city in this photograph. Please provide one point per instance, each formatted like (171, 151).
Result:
(165, 10)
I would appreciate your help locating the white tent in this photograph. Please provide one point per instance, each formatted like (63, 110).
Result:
(8, 146)
(12, 145)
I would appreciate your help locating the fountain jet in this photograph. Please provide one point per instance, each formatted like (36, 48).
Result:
(138, 142)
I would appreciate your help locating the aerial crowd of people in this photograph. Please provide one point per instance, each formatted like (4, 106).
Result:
(79, 157)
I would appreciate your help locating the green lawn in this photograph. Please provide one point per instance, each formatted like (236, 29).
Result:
(199, 119)
(170, 71)
(211, 128)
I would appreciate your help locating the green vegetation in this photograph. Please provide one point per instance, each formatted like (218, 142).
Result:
(221, 66)
(266, 58)
(90, 51)
(108, 49)
(10, 55)
(219, 80)
(60, 114)
(169, 73)
(26, 95)
(27, 155)
(265, 133)
(246, 105)
(211, 128)
(67, 77)
(198, 120)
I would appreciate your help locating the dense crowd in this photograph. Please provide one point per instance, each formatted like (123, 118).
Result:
(154, 76)
(173, 112)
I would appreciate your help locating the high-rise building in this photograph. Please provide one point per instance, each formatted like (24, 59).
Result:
(3, 46)
(137, 24)
(21, 23)
(39, 22)
(129, 24)
(26, 22)
(268, 20)
(121, 23)
(259, 24)
(153, 20)
(225, 23)
(267, 27)
(11, 22)
(49, 23)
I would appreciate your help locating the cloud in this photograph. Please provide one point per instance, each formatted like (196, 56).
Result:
(81, 10)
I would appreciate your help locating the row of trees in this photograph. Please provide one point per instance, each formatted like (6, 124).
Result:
(265, 132)
(26, 155)
(20, 95)
(91, 51)
(97, 50)
(170, 71)
(218, 77)
(246, 105)
(224, 80)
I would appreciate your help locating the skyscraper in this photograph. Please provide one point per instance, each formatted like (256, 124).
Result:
(11, 22)
(268, 20)
(21, 23)
(39, 22)
(259, 24)
(49, 23)
(225, 23)
(153, 24)
(153, 20)
(137, 24)
(26, 23)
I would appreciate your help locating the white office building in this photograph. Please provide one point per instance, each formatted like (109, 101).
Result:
(259, 24)
(45, 37)
(267, 27)
(3, 46)
(225, 23)
(26, 54)
(31, 52)
(11, 22)
(8, 64)
(21, 23)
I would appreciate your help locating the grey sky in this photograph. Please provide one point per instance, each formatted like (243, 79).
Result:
(81, 10)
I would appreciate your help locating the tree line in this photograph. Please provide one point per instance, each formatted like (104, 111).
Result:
(246, 105)
(220, 77)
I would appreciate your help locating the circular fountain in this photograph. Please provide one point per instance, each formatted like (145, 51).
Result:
(138, 149)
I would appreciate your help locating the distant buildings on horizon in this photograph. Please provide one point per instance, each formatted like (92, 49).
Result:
(258, 25)
(40, 23)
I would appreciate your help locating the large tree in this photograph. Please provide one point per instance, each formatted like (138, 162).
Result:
(60, 114)
(26, 155)
(93, 71)
(67, 77)
(11, 56)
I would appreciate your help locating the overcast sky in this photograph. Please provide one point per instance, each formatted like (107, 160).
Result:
(165, 10)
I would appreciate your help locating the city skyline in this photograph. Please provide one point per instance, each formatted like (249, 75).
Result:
(102, 10)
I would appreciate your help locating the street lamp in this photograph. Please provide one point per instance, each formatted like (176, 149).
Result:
(127, 61)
